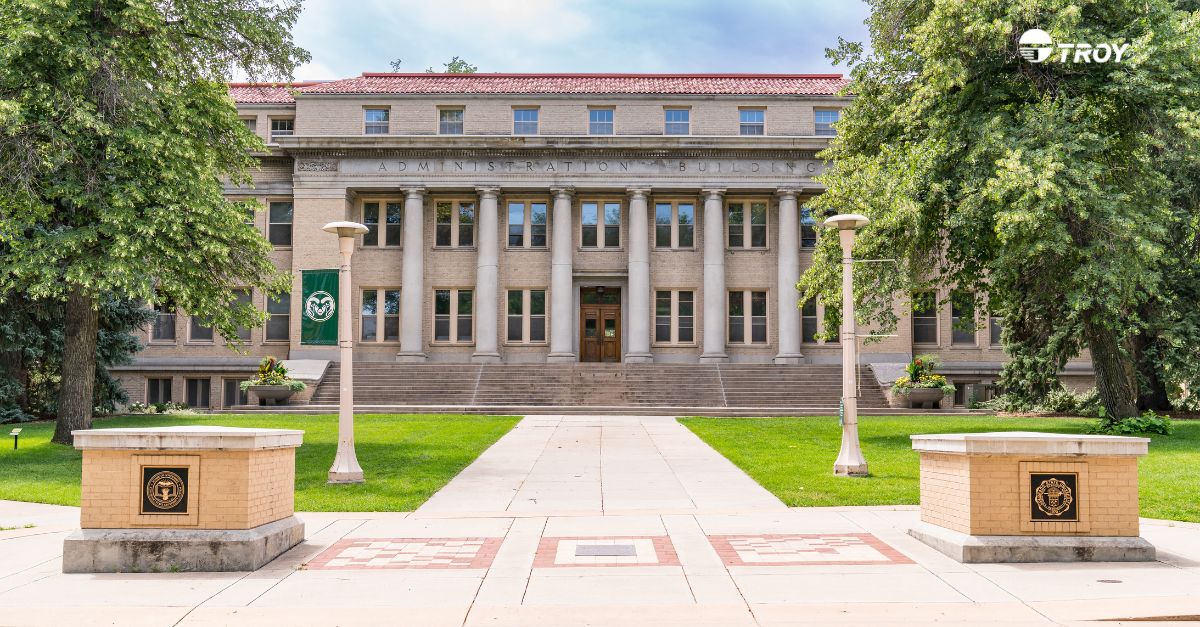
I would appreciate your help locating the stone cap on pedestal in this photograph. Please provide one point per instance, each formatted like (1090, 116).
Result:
(1030, 443)
(189, 437)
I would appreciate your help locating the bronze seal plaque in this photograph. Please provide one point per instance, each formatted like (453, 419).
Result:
(164, 490)
(1055, 497)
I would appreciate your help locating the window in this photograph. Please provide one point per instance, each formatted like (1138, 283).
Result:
(750, 228)
(234, 395)
(747, 310)
(158, 391)
(392, 215)
(163, 329)
(198, 331)
(597, 234)
(251, 124)
(825, 119)
(526, 316)
(674, 317)
(452, 315)
(371, 315)
(677, 121)
(279, 318)
(808, 228)
(527, 222)
(525, 121)
(242, 297)
(375, 121)
(450, 121)
(962, 318)
(279, 228)
(600, 121)
(455, 223)
(924, 318)
(994, 329)
(751, 121)
(674, 224)
(198, 391)
(281, 127)
(808, 321)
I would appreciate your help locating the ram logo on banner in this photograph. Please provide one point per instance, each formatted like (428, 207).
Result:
(318, 319)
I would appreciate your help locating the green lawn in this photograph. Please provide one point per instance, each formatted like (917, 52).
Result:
(406, 458)
(793, 457)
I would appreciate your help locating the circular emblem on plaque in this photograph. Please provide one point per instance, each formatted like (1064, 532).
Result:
(319, 306)
(1053, 496)
(165, 489)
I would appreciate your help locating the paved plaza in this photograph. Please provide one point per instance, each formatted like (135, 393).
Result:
(598, 520)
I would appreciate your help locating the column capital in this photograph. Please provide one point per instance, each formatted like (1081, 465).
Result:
(414, 193)
(487, 191)
(716, 193)
(563, 191)
(638, 190)
(789, 193)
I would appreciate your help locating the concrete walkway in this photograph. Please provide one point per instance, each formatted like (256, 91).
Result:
(598, 521)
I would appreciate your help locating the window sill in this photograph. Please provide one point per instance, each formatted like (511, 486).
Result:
(753, 249)
(526, 344)
(674, 250)
(277, 342)
(597, 249)
(748, 345)
(681, 345)
(451, 344)
(528, 249)
(163, 343)
(200, 343)
(454, 248)
(360, 343)
(275, 247)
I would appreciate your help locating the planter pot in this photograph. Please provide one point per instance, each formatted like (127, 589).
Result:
(272, 394)
(925, 398)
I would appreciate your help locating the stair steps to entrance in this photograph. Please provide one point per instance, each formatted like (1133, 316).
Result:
(592, 387)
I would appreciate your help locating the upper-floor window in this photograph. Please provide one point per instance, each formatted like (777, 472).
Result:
(251, 124)
(281, 127)
(199, 330)
(677, 121)
(525, 121)
(242, 297)
(279, 227)
(747, 224)
(825, 119)
(808, 228)
(279, 318)
(752, 121)
(674, 224)
(374, 317)
(747, 310)
(962, 322)
(674, 317)
(527, 221)
(600, 223)
(375, 121)
(452, 315)
(455, 223)
(392, 215)
(163, 329)
(994, 329)
(450, 121)
(526, 316)
(924, 318)
(600, 121)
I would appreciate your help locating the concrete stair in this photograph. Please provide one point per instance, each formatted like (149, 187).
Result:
(597, 386)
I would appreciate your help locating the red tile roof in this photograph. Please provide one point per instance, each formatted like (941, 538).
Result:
(425, 83)
(701, 84)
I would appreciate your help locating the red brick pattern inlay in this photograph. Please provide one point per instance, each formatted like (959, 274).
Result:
(407, 553)
(805, 549)
(548, 551)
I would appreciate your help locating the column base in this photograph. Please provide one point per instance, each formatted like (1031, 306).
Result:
(561, 358)
(850, 469)
(485, 358)
(639, 358)
(714, 358)
(411, 357)
(347, 476)
(789, 358)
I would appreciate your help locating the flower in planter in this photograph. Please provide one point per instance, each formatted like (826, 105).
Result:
(271, 371)
(921, 375)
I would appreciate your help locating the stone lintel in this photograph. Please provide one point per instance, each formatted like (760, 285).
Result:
(1030, 443)
(186, 438)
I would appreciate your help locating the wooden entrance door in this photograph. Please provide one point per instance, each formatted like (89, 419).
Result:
(600, 324)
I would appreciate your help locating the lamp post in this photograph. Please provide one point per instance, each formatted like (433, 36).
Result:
(850, 461)
(345, 467)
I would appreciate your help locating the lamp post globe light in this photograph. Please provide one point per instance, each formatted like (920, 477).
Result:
(850, 461)
(345, 467)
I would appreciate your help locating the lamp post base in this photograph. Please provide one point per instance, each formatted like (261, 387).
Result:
(850, 469)
(349, 476)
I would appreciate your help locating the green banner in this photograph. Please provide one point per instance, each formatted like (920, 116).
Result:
(319, 312)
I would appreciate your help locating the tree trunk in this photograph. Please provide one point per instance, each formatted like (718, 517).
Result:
(81, 318)
(1113, 378)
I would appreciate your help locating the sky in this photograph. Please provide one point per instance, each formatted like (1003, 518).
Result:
(348, 37)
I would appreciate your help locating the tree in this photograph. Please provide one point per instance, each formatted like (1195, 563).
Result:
(455, 65)
(119, 134)
(1062, 194)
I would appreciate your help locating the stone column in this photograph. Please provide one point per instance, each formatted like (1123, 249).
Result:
(562, 297)
(788, 274)
(412, 279)
(714, 277)
(637, 329)
(486, 268)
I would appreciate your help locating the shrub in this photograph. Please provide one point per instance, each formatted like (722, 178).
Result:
(139, 408)
(1060, 401)
(1148, 422)
(12, 413)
